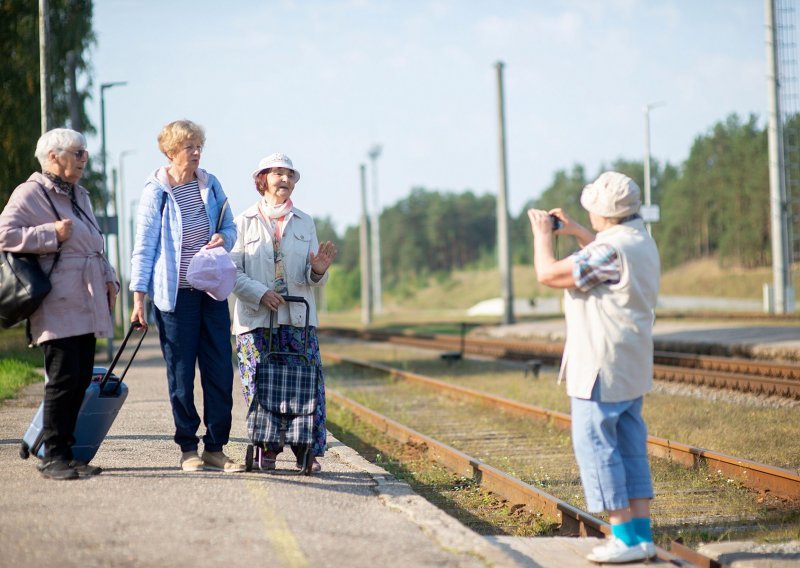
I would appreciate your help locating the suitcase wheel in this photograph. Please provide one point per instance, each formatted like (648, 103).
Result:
(24, 451)
(248, 458)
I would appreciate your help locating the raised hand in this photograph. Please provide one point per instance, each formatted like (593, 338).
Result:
(321, 261)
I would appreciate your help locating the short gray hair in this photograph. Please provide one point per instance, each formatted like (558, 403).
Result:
(57, 139)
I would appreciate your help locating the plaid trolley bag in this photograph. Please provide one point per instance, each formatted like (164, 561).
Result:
(284, 401)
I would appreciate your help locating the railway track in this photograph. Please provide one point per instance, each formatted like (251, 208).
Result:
(759, 477)
(458, 455)
(744, 375)
(571, 520)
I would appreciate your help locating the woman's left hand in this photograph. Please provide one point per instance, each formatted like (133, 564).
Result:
(111, 293)
(324, 257)
(217, 240)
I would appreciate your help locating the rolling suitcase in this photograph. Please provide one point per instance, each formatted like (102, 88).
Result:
(101, 403)
(284, 402)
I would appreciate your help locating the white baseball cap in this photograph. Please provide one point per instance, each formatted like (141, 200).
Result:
(212, 271)
(276, 160)
(612, 195)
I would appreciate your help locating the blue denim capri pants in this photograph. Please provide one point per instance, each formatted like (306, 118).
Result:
(610, 443)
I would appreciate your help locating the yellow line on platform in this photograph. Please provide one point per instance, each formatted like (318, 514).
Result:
(277, 531)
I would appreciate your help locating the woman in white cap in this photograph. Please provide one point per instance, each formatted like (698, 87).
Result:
(611, 287)
(277, 253)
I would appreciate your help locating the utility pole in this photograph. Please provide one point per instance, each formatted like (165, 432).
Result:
(44, 90)
(377, 288)
(106, 225)
(363, 238)
(503, 248)
(647, 176)
(781, 259)
(119, 307)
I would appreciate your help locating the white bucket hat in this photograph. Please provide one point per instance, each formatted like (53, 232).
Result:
(276, 160)
(613, 195)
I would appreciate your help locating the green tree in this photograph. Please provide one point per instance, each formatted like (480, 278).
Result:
(720, 204)
(70, 30)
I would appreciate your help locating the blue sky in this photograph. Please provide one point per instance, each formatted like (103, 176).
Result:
(325, 80)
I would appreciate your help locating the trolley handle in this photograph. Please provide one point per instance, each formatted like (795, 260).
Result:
(119, 352)
(270, 352)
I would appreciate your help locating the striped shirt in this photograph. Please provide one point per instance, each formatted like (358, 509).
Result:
(194, 222)
(595, 264)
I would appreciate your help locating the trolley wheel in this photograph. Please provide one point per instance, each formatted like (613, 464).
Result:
(24, 451)
(308, 461)
(248, 458)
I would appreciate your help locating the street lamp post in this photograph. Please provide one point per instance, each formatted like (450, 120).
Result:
(106, 226)
(103, 88)
(647, 201)
(377, 306)
(122, 235)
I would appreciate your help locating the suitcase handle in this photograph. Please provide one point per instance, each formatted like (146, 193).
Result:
(270, 352)
(119, 352)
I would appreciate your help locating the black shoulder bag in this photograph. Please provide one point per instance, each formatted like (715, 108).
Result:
(23, 283)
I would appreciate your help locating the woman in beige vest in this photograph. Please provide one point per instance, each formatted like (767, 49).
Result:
(611, 287)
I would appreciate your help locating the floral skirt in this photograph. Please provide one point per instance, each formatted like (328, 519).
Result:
(249, 348)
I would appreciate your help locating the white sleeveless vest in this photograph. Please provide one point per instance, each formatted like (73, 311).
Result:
(610, 327)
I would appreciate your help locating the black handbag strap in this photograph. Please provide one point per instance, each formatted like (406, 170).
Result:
(58, 252)
(28, 333)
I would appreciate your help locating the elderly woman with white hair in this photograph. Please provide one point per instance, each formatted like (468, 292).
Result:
(48, 214)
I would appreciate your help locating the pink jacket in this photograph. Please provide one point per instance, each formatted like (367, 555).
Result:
(78, 303)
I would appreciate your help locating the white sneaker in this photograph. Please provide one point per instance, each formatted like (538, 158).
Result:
(617, 552)
(649, 549)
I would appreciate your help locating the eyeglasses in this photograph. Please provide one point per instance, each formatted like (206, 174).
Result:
(79, 154)
(191, 148)
(280, 172)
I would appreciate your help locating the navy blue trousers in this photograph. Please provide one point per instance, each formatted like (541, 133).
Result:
(198, 332)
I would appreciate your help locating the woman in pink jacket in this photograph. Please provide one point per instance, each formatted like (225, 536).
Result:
(78, 309)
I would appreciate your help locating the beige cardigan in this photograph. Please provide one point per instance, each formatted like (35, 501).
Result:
(255, 265)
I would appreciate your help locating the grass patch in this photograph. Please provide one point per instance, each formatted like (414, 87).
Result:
(15, 374)
(18, 362)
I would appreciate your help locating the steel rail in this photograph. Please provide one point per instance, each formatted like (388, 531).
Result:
(717, 372)
(571, 520)
(753, 475)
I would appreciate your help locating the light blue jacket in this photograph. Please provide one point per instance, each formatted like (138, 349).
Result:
(156, 256)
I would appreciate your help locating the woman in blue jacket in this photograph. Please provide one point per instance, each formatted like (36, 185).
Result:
(178, 214)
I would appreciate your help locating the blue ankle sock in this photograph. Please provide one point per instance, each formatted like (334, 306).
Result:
(625, 533)
(641, 527)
